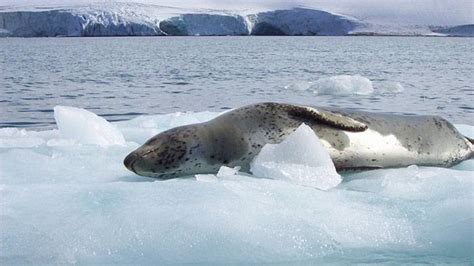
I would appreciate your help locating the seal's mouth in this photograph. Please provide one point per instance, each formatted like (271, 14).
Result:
(135, 156)
(130, 160)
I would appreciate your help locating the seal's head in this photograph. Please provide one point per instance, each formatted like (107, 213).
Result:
(172, 153)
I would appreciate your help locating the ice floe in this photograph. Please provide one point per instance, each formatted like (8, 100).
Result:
(66, 202)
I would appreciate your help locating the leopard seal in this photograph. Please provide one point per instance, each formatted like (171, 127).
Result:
(354, 140)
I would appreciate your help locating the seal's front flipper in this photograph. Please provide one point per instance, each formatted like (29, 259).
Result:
(325, 117)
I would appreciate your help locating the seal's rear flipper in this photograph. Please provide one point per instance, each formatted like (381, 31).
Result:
(472, 147)
(470, 140)
(325, 117)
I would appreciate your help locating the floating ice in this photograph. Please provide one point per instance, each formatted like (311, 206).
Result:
(343, 84)
(86, 127)
(300, 158)
(388, 86)
(67, 203)
(346, 85)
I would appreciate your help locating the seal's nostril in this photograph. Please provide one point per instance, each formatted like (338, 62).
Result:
(129, 160)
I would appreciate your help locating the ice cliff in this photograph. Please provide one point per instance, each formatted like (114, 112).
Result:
(301, 21)
(134, 19)
(124, 20)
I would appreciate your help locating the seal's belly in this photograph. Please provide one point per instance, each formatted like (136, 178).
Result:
(395, 141)
(370, 149)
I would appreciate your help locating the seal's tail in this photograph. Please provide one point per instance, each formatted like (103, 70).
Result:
(470, 140)
(472, 147)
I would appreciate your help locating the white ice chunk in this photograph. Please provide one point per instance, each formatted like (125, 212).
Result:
(227, 171)
(206, 178)
(86, 127)
(224, 171)
(343, 85)
(300, 158)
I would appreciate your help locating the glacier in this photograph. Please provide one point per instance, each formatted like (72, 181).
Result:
(136, 19)
(66, 198)
(120, 20)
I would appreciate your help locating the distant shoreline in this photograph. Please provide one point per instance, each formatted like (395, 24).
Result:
(148, 20)
(223, 36)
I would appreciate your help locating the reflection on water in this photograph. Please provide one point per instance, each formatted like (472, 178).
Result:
(120, 78)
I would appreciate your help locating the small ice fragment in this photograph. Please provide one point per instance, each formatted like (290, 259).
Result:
(86, 127)
(223, 172)
(227, 171)
(300, 158)
(206, 178)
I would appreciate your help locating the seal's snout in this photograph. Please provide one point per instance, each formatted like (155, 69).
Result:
(130, 160)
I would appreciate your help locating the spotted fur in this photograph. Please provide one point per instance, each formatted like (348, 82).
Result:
(354, 140)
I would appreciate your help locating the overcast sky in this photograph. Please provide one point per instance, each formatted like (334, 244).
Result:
(400, 11)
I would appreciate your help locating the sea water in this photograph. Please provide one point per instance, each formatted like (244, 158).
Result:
(66, 198)
(120, 78)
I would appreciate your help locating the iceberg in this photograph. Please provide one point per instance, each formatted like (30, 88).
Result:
(66, 202)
